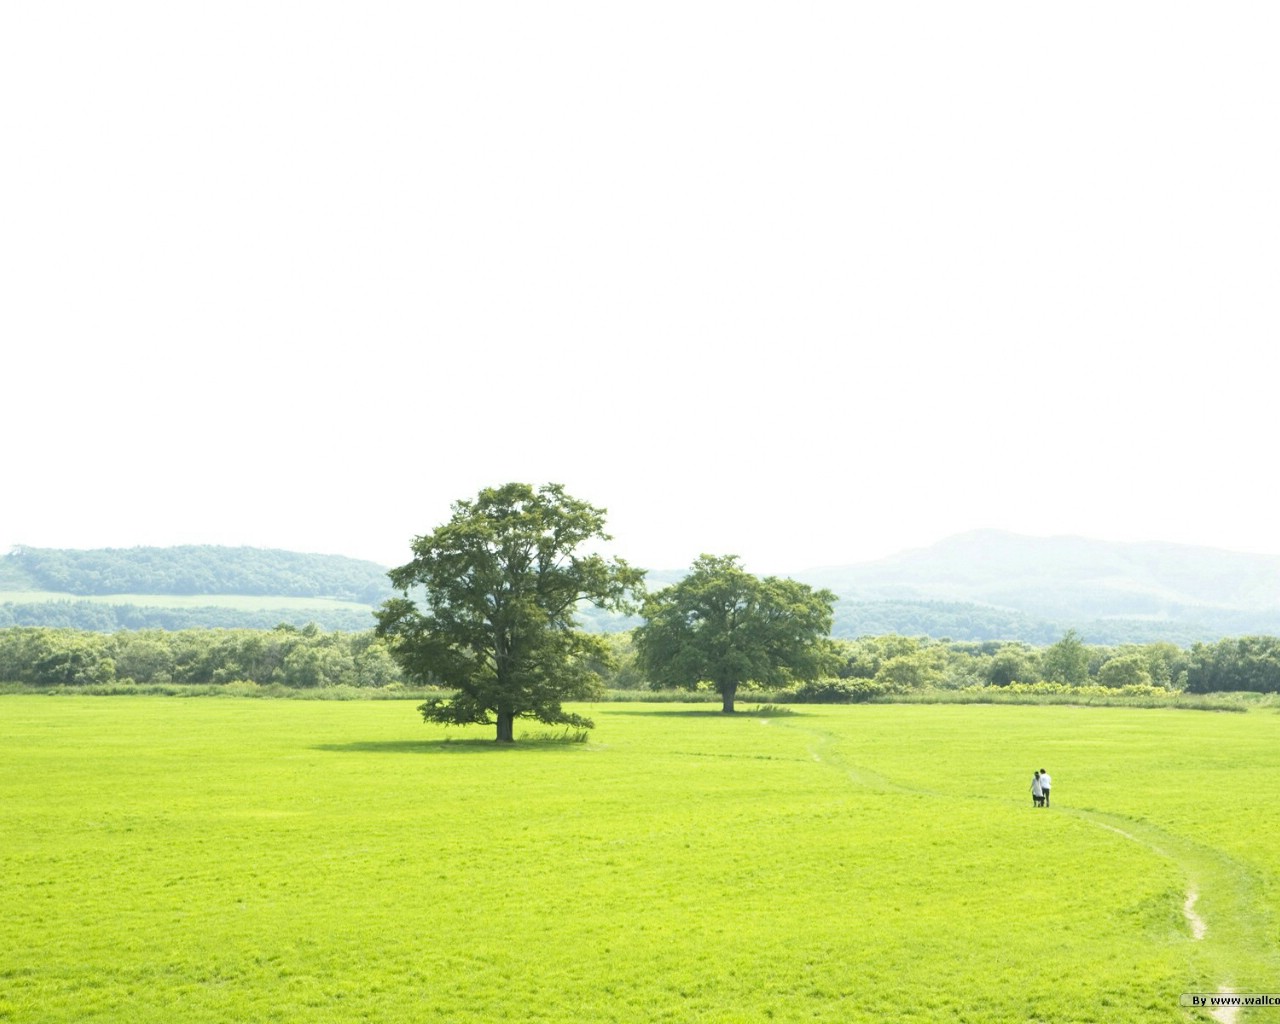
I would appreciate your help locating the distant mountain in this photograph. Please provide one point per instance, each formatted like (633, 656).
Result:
(1040, 586)
(985, 585)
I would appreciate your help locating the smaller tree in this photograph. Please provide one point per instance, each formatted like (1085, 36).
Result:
(915, 671)
(1013, 663)
(864, 657)
(1127, 669)
(1067, 661)
(724, 626)
(1167, 664)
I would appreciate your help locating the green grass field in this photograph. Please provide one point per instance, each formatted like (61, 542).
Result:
(232, 860)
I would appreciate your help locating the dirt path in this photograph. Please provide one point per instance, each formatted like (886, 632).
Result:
(1198, 927)
(1236, 888)
(1225, 1014)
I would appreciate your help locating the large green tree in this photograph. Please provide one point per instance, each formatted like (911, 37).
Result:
(499, 584)
(722, 625)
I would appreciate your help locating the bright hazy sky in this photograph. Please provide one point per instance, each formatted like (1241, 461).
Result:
(806, 282)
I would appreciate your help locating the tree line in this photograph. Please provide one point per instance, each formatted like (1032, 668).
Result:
(289, 656)
(885, 665)
(856, 670)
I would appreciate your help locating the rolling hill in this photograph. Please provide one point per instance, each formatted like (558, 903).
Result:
(1036, 587)
(984, 585)
(187, 587)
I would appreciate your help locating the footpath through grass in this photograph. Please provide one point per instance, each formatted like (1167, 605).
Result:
(194, 860)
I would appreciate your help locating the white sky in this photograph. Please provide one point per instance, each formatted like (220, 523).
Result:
(806, 282)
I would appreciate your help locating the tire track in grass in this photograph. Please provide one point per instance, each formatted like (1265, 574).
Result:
(1233, 938)
(1238, 940)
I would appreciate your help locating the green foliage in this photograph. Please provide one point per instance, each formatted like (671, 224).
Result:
(1167, 664)
(902, 663)
(836, 691)
(289, 657)
(863, 658)
(1067, 661)
(285, 656)
(566, 735)
(1247, 663)
(1084, 692)
(1125, 670)
(1013, 663)
(770, 710)
(723, 626)
(502, 581)
(921, 669)
(622, 669)
(1079, 696)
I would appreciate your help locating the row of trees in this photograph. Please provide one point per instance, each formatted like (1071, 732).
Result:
(307, 657)
(878, 665)
(1248, 663)
(849, 669)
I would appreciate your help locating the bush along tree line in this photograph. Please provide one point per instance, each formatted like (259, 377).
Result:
(883, 666)
(854, 670)
(289, 656)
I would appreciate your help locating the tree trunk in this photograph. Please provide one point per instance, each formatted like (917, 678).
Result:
(727, 692)
(506, 727)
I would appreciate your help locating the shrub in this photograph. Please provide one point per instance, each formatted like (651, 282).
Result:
(566, 735)
(772, 710)
(836, 691)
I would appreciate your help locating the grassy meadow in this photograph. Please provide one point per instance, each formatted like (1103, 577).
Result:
(227, 860)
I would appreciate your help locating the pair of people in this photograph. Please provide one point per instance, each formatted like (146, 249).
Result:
(1040, 784)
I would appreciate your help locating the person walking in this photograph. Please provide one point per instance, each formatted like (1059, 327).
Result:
(1037, 791)
(1045, 783)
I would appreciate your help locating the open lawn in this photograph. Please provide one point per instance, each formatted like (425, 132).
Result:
(203, 860)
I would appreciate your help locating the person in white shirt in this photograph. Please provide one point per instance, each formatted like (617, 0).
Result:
(1045, 783)
(1037, 791)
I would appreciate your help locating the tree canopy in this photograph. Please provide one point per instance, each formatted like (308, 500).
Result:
(1067, 661)
(499, 584)
(722, 625)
